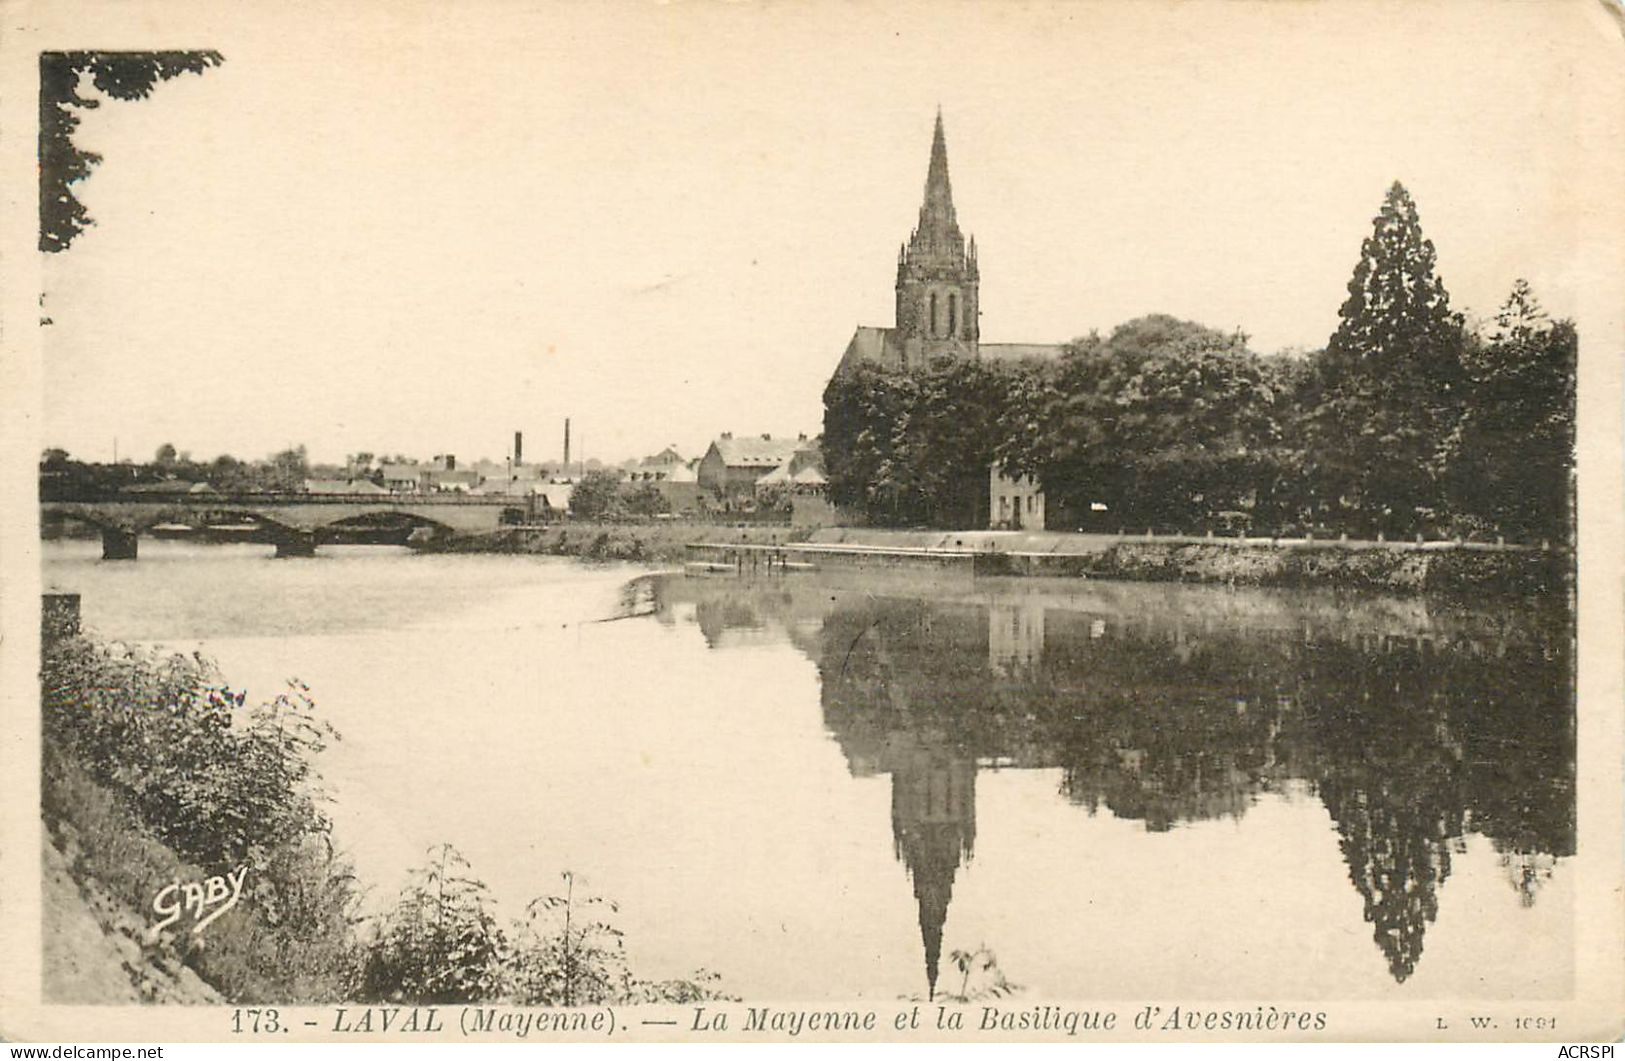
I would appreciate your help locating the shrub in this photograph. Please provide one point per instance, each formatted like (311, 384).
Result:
(163, 731)
(146, 780)
(440, 944)
(566, 953)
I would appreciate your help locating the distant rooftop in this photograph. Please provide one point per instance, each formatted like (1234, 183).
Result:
(755, 451)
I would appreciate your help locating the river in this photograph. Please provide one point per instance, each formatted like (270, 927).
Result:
(824, 786)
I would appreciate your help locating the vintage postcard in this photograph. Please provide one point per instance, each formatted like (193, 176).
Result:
(687, 522)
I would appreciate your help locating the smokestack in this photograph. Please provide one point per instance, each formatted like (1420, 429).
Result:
(518, 448)
(566, 445)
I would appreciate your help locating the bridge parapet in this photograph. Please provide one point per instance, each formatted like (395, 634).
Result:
(291, 518)
(271, 497)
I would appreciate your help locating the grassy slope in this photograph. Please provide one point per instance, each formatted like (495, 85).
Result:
(101, 869)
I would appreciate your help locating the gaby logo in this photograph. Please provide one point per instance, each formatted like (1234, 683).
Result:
(205, 900)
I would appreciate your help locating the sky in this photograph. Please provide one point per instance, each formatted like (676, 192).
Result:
(417, 228)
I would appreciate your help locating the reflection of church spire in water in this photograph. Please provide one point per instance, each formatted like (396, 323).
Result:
(933, 816)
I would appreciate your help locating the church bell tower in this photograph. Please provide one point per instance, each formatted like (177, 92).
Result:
(936, 274)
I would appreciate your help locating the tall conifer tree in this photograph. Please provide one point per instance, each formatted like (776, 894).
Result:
(1390, 384)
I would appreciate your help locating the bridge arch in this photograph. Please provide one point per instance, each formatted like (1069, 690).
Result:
(119, 537)
(84, 515)
(391, 516)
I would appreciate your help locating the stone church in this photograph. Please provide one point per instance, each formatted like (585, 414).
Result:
(938, 314)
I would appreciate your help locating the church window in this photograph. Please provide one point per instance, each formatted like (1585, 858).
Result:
(953, 315)
(933, 314)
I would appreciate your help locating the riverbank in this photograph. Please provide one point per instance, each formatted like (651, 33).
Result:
(1388, 567)
(187, 858)
(1396, 570)
(646, 542)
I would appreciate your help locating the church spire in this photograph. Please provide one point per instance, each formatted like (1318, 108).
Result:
(939, 193)
(937, 233)
(936, 278)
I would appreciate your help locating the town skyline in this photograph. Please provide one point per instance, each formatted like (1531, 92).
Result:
(663, 270)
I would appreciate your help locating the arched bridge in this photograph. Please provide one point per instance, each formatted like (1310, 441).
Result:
(292, 521)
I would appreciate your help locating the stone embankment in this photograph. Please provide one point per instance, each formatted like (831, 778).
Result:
(647, 542)
(1385, 566)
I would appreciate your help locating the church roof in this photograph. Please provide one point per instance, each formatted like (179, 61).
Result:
(884, 347)
(875, 345)
(1020, 351)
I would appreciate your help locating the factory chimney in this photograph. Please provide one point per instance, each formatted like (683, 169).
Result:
(566, 445)
(518, 448)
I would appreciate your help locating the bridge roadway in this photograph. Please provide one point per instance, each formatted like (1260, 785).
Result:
(292, 520)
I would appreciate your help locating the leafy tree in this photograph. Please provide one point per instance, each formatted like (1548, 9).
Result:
(1166, 422)
(947, 437)
(166, 455)
(1286, 494)
(228, 474)
(916, 448)
(62, 478)
(861, 409)
(775, 497)
(288, 469)
(118, 75)
(596, 495)
(1390, 385)
(644, 499)
(1511, 458)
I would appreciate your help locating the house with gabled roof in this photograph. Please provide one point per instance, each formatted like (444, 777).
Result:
(731, 466)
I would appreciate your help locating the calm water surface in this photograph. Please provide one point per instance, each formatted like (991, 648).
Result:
(820, 787)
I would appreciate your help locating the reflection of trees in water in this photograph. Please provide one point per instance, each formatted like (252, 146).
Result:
(1418, 745)
(1398, 855)
(1526, 872)
(1410, 740)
